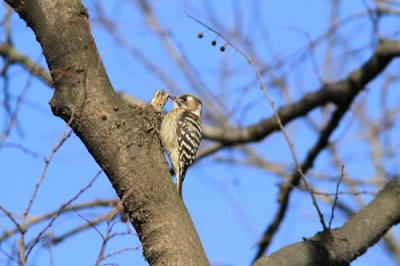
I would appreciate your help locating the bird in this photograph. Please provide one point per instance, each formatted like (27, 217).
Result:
(181, 133)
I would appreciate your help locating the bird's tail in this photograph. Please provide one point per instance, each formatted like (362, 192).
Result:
(179, 188)
(179, 181)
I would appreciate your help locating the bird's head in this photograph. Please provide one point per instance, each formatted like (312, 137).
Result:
(187, 102)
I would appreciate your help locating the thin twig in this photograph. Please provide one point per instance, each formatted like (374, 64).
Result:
(14, 114)
(336, 197)
(118, 252)
(59, 143)
(11, 217)
(106, 239)
(90, 223)
(22, 148)
(38, 237)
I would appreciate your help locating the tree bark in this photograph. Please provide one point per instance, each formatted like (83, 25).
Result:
(119, 137)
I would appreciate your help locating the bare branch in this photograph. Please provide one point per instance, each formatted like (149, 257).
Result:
(344, 244)
(35, 220)
(337, 93)
(294, 181)
(9, 52)
(59, 143)
(60, 211)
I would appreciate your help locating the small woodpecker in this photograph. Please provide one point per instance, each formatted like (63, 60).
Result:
(181, 134)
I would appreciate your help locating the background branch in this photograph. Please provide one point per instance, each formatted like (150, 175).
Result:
(347, 242)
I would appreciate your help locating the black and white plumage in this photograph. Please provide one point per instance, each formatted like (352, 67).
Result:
(181, 134)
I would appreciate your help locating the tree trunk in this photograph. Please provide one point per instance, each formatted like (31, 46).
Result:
(118, 136)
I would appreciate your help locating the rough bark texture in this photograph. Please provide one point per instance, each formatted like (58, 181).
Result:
(118, 136)
(342, 245)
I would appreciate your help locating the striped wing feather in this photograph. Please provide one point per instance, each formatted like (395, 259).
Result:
(189, 134)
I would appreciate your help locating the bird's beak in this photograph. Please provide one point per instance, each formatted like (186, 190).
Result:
(172, 97)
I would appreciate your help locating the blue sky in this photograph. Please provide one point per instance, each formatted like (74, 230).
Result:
(230, 204)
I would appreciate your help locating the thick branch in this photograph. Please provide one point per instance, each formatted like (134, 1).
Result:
(118, 136)
(344, 244)
(338, 93)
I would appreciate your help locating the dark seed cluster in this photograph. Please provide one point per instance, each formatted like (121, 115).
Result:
(222, 48)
